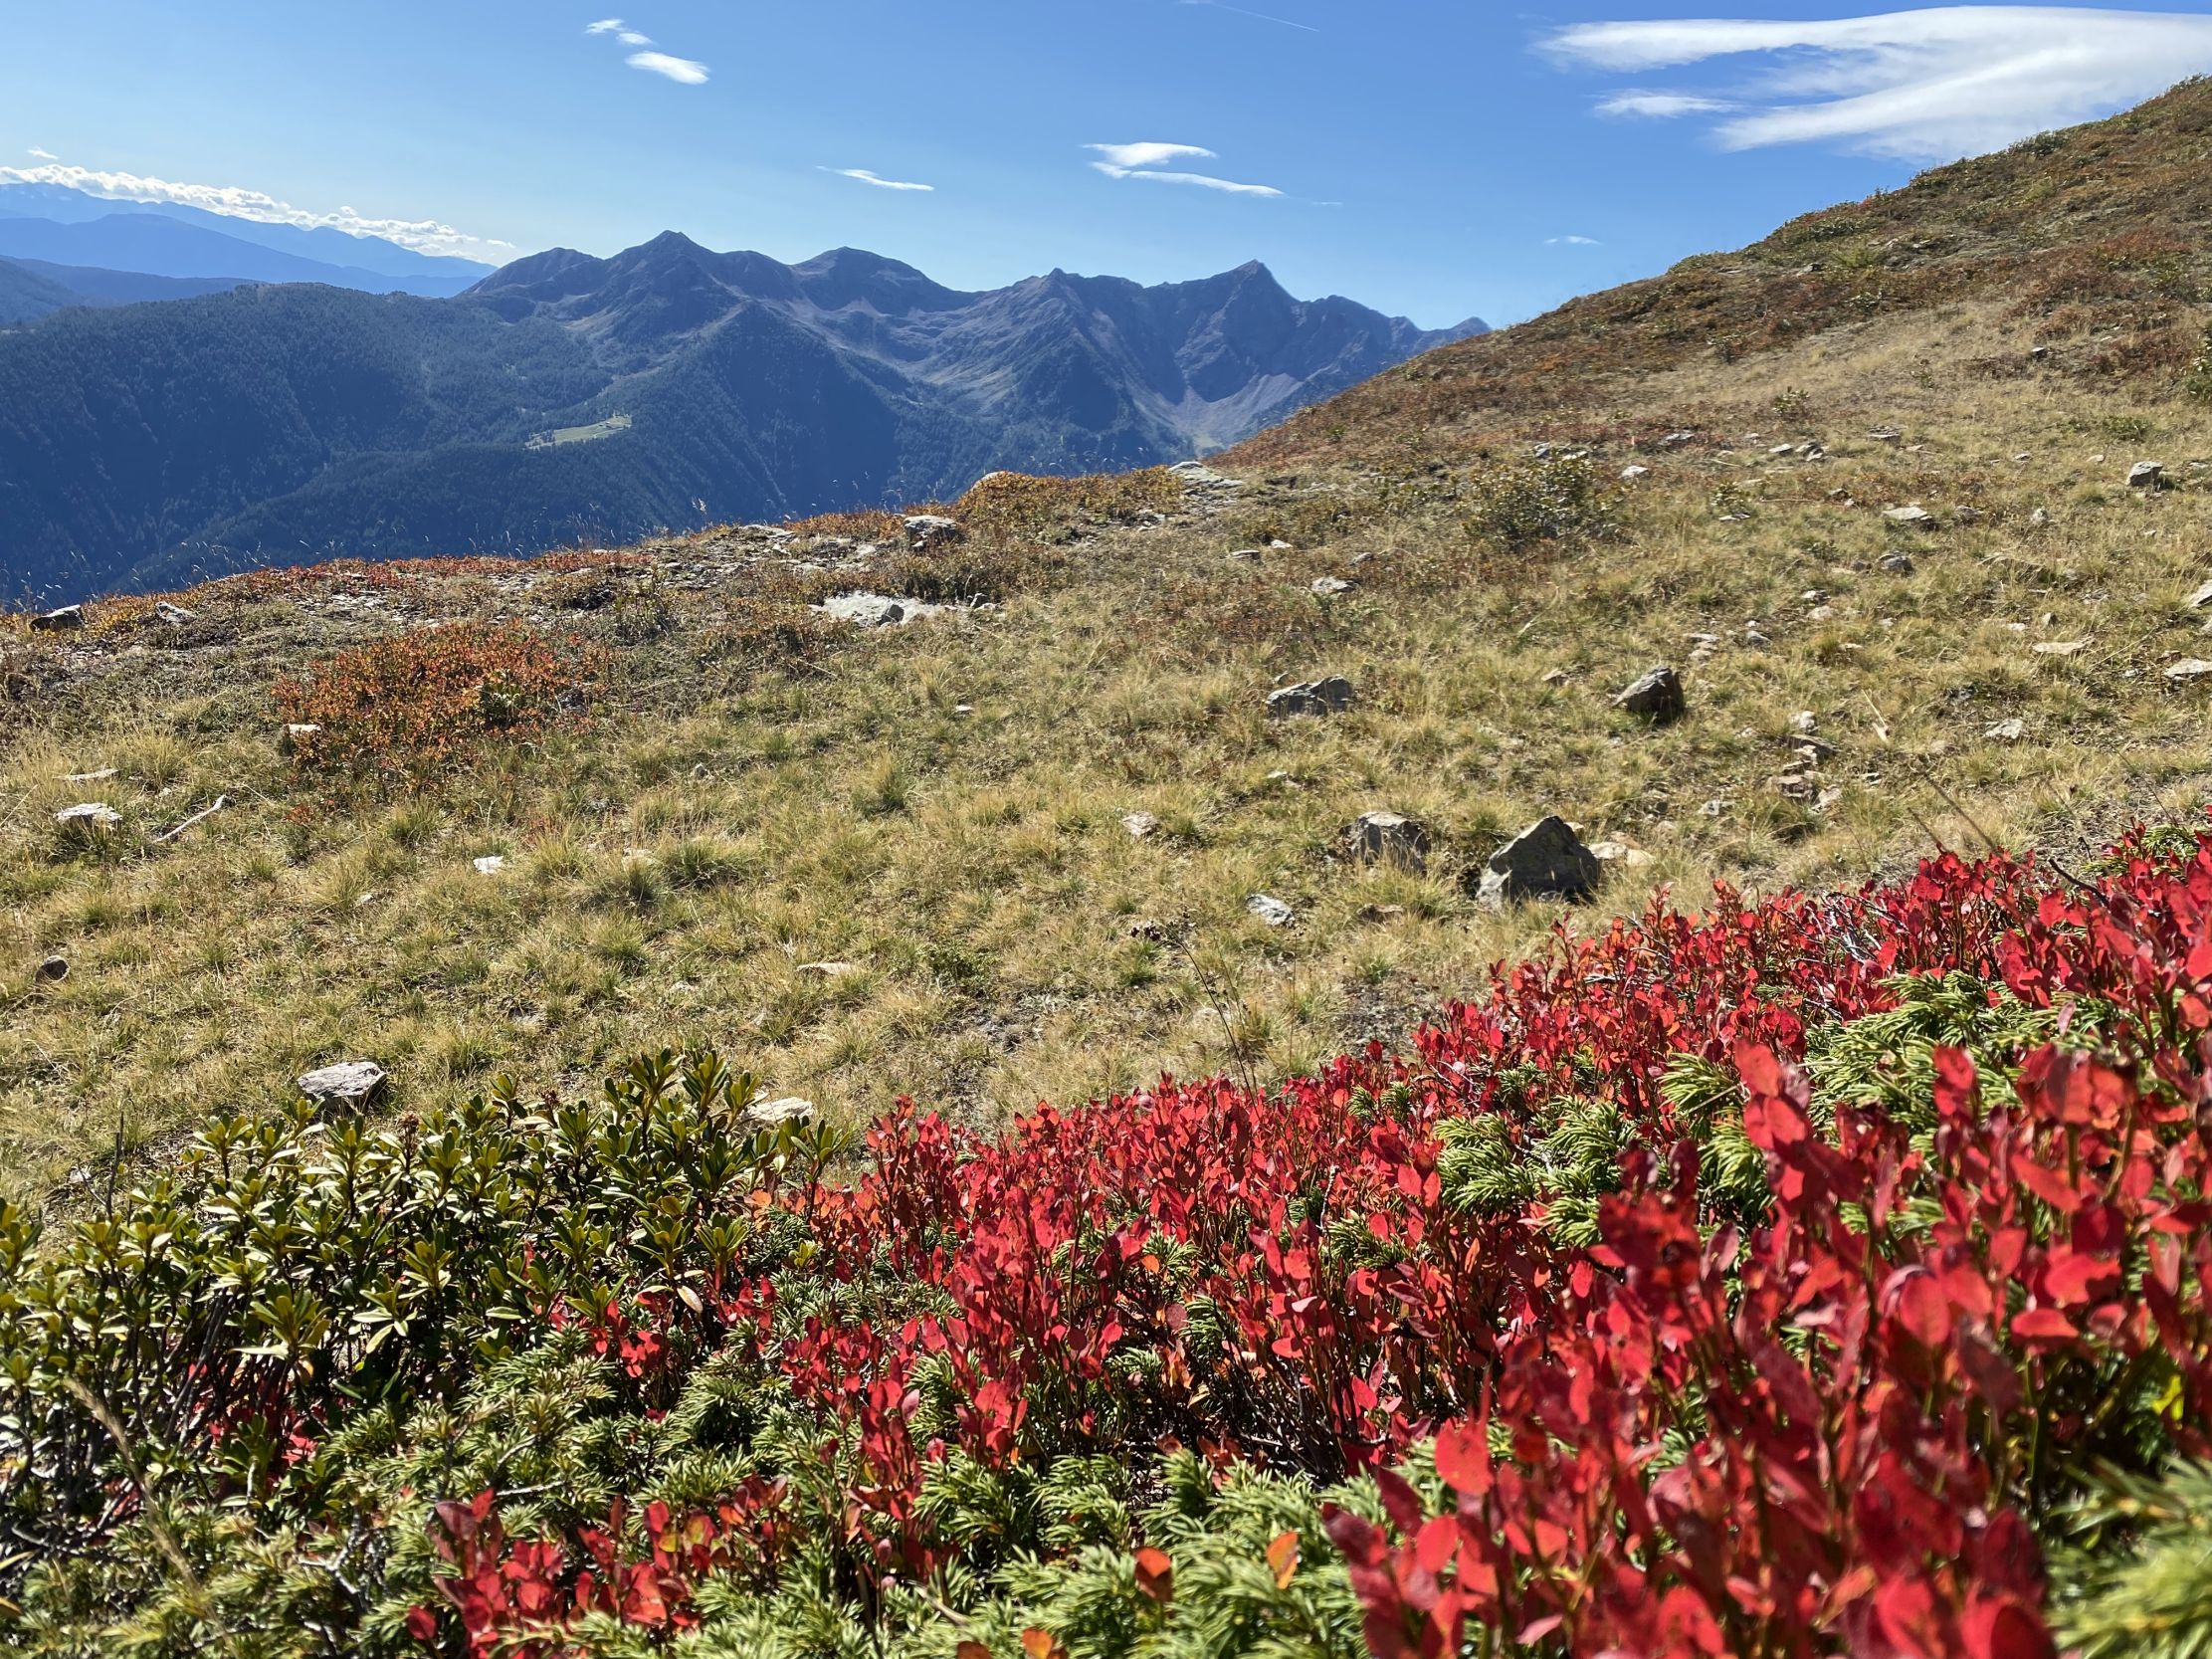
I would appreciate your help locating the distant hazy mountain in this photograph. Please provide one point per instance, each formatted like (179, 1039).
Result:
(279, 423)
(70, 226)
(32, 288)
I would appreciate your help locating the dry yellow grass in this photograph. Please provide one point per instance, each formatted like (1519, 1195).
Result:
(936, 810)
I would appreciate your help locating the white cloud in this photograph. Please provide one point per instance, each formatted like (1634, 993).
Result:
(630, 37)
(1662, 106)
(605, 26)
(1925, 85)
(1149, 156)
(1572, 242)
(44, 155)
(425, 236)
(1205, 181)
(681, 70)
(867, 178)
(1143, 161)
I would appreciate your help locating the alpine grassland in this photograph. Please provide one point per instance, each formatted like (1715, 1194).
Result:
(917, 1113)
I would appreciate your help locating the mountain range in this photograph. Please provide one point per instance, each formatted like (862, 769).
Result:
(64, 226)
(568, 396)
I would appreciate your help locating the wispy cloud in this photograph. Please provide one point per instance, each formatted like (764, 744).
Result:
(1662, 106)
(685, 71)
(1572, 242)
(867, 178)
(1262, 17)
(44, 155)
(1149, 156)
(425, 236)
(1924, 85)
(1143, 160)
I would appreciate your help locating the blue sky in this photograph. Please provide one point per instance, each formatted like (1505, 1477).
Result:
(1431, 159)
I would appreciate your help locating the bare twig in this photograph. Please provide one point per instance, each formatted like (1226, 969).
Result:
(221, 801)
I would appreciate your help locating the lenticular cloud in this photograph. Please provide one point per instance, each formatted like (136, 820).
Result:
(1925, 85)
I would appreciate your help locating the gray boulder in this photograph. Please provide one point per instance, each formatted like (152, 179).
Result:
(1314, 697)
(927, 531)
(59, 621)
(95, 815)
(1547, 860)
(1658, 697)
(1391, 838)
(1271, 909)
(2146, 474)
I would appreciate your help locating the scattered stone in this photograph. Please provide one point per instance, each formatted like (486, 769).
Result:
(2039, 518)
(1250, 556)
(1828, 800)
(1390, 838)
(53, 970)
(1677, 440)
(1821, 613)
(173, 614)
(2201, 598)
(777, 1112)
(1804, 722)
(1965, 514)
(1374, 914)
(827, 970)
(1752, 636)
(1897, 564)
(1783, 449)
(1629, 475)
(2007, 732)
(1658, 697)
(1886, 435)
(1712, 809)
(1329, 586)
(1621, 852)
(1557, 677)
(1279, 545)
(1914, 516)
(100, 776)
(296, 737)
(1547, 860)
(2059, 647)
(1330, 696)
(351, 1083)
(1274, 912)
(59, 621)
(928, 531)
(2146, 474)
(2189, 668)
(1140, 824)
(490, 864)
(91, 814)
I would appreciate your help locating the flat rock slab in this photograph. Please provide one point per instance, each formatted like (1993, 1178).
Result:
(349, 1083)
(88, 815)
(1274, 912)
(1547, 860)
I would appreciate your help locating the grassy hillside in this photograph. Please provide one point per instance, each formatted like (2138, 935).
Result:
(870, 863)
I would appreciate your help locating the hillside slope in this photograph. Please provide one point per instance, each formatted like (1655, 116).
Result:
(1740, 1272)
(569, 398)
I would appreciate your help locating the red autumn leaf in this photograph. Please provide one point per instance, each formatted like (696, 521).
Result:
(971, 1649)
(1156, 1575)
(2001, 1628)
(422, 1624)
(2043, 1324)
(1283, 1559)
